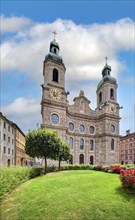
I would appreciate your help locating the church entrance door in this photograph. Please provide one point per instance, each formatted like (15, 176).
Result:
(81, 159)
(91, 160)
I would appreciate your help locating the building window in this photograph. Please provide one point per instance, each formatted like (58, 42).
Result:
(130, 158)
(112, 144)
(71, 142)
(4, 124)
(55, 51)
(4, 137)
(100, 97)
(91, 160)
(55, 119)
(8, 139)
(12, 152)
(55, 75)
(111, 94)
(81, 144)
(12, 141)
(4, 150)
(12, 131)
(91, 145)
(81, 159)
(71, 126)
(130, 145)
(8, 150)
(112, 128)
(9, 128)
(92, 129)
(130, 151)
(81, 128)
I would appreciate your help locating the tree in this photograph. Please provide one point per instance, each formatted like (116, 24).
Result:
(43, 143)
(64, 153)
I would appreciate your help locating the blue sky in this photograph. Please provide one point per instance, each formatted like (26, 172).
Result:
(93, 29)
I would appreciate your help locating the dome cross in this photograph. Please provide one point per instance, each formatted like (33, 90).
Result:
(106, 59)
(54, 32)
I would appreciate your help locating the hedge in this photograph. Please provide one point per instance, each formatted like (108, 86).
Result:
(12, 177)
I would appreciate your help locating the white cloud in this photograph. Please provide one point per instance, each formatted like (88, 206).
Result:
(83, 48)
(13, 24)
(25, 112)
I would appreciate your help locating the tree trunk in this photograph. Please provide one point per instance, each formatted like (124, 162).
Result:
(45, 165)
(59, 165)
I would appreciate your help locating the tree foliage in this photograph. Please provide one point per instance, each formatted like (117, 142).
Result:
(64, 153)
(43, 143)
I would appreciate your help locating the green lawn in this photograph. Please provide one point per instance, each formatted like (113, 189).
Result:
(70, 195)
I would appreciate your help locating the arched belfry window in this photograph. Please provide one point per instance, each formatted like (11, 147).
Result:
(55, 51)
(111, 94)
(55, 75)
(100, 97)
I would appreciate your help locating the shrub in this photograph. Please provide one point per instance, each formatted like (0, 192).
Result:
(76, 167)
(11, 177)
(114, 169)
(127, 178)
(98, 168)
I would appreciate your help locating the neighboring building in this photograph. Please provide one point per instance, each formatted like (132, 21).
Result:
(19, 146)
(7, 142)
(12, 144)
(92, 134)
(127, 148)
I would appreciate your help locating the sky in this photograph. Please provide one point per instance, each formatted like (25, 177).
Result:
(87, 31)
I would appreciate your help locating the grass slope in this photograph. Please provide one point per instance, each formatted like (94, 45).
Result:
(76, 195)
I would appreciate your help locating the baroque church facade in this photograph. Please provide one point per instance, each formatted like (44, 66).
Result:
(92, 134)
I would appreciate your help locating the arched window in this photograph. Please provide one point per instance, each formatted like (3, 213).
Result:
(112, 144)
(100, 97)
(111, 94)
(81, 159)
(91, 145)
(71, 159)
(91, 160)
(55, 75)
(71, 142)
(81, 144)
(55, 51)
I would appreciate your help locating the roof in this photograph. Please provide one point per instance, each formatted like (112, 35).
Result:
(15, 126)
(107, 79)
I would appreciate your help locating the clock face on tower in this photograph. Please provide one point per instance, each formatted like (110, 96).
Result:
(55, 94)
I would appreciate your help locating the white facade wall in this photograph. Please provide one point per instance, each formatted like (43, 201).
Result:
(7, 142)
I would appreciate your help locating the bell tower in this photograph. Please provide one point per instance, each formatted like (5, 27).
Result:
(107, 88)
(108, 110)
(54, 96)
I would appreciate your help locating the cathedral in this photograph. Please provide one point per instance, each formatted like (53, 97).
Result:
(93, 135)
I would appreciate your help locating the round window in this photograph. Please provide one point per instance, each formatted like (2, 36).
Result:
(81, 128)
(55, 119)
(71, 126)
(112, 128)
(92, 129)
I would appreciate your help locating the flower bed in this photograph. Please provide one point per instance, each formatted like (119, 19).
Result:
(114, 169)
(127, 178)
